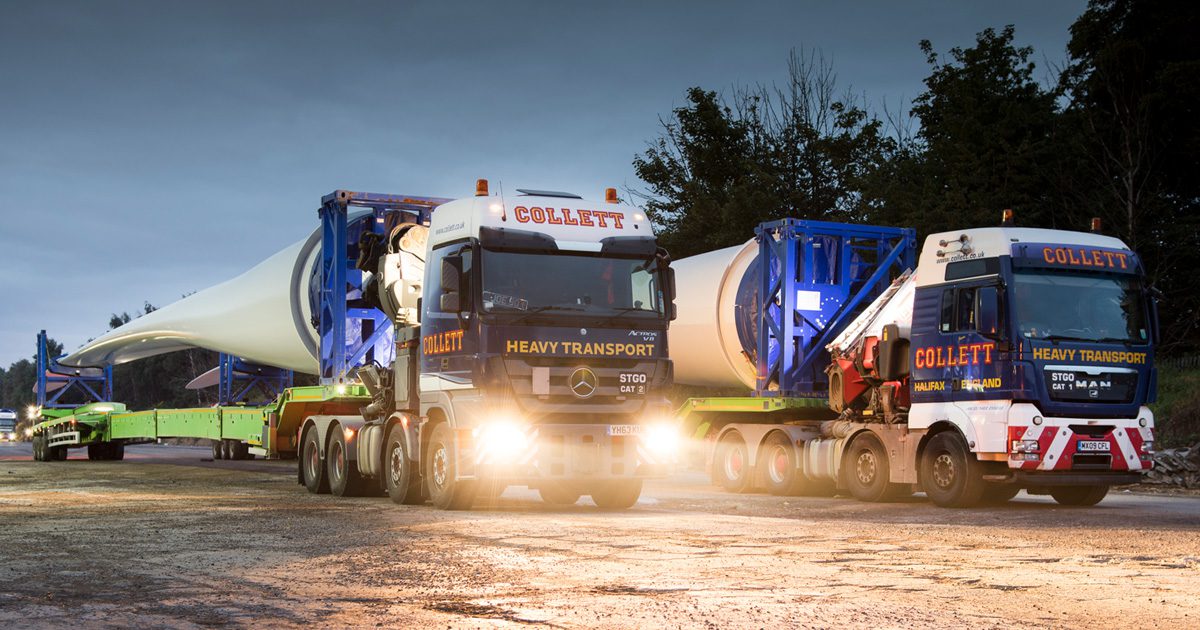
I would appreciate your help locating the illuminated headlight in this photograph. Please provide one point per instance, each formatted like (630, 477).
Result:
(1148, 446)
(29, 433)
(12, 436)
(661, 439)
(1025, 446)
(33, 411)
(504, 439)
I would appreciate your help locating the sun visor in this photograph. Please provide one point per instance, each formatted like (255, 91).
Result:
(524, 240)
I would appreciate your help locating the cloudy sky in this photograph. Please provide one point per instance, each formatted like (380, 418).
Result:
(151, 149)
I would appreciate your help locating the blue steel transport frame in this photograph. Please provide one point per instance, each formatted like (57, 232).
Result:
(840, 267)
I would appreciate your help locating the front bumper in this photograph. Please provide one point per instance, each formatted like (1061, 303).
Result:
(562, 452)
(1057, 444)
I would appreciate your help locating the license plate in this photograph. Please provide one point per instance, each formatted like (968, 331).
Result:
(1092, 445)
(624, 429)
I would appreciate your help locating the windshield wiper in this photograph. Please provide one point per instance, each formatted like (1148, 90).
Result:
(1066, 338)
(1124, 340)
(543, 309)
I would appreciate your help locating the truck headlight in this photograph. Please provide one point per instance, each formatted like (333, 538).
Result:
(503, 438)
(661, 439)
(1025, 446)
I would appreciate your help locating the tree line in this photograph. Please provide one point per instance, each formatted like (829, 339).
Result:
(1113, 134)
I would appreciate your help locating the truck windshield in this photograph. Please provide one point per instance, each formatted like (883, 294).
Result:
(522, 283)
(1079, 307)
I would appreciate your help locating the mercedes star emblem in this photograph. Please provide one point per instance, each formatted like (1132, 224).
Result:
(583, 382)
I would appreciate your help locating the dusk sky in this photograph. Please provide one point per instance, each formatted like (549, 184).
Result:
(148, 150)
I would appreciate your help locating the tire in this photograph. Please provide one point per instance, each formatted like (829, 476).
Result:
(218, 452)
(617, 495)
(240, 450)
(59, 453)
(866, 470)
(96, 452)
(226, 449)
(400, 477)
(950, 475)
(342, 472)
(312, 467)
(559, 493)
(38, 451)
(116, 451)
(997, 493)
(782, 472)
(1079, 496)
(731, 468)
(445, 492)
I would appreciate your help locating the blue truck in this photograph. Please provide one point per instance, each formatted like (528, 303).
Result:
(1000, 359)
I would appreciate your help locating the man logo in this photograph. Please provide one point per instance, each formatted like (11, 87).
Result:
(583, 382)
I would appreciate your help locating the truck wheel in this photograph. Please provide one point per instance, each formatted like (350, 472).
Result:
(38, 455)
(617, 495)
(344, 480)
(1082, 496)
(311, 466)
(866, 471)
(950, 475)
(116, 451)
(401, 478)
(560, 493)
(61, 453)
(241, 450)
(780, 467)
(445, 491)
(96, 451)
(731, 465)
(218, 452)
(997, 493)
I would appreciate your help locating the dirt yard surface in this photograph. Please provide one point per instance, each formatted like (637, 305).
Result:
(166, 539)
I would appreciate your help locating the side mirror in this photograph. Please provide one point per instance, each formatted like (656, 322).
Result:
(452, 273)
(450, 303)
(988, 315)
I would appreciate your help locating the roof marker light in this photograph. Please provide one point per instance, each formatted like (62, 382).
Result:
(1095, 225)
(1007, 218)
(481, 188)
(610, 195)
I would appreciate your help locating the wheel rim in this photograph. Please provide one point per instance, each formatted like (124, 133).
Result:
(339, 460)
(943, 471)
(778, 469)
(313, 459)
(396, 465)
(439, 466)
(733, 463)
(865, 468)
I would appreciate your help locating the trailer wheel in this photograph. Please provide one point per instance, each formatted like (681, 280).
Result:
(441, 468)
(731, 465)
(311, 466)
(1082, 496)
(116, 451)
(560, 493)
(401, 478)
(950, 475)
(866, 470)
(617, 495)
(781, 468)
(344, 480)
(96, 451)
(38, 451)
(217, 451)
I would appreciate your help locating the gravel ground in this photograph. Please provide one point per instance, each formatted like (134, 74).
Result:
(166, 539)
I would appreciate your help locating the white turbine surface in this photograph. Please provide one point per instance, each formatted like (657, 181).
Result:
(703, 338)
(261, 316)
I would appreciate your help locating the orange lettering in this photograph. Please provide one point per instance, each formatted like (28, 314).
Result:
(1048, 255)
(522, 214)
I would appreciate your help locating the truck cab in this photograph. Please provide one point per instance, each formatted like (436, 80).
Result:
(531, 350)
(8, 425)
(1037, 346)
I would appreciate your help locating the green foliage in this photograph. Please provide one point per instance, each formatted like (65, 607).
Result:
(1177, 411)
(986, 142)
(722, 166)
